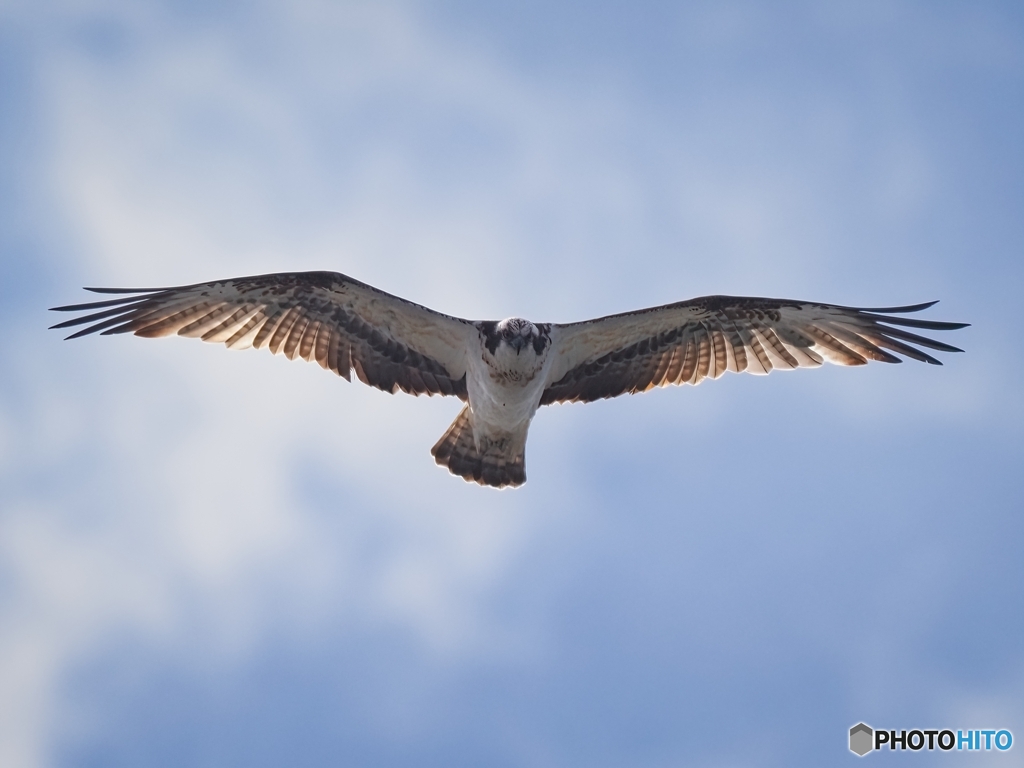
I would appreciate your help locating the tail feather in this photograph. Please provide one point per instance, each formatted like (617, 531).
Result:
(495, 460)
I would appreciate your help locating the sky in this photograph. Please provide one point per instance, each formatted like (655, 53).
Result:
(218, 558)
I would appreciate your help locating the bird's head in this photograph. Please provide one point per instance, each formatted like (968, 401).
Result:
(517, 333)
(514, 335)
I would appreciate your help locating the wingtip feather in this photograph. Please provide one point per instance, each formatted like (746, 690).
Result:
(900, 310)
(124, 290)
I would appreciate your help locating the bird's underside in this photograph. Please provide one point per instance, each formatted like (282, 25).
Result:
(505, 370)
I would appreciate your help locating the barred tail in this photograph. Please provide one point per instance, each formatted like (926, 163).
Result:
(499, 461)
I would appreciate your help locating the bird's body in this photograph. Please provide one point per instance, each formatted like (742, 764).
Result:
(506, 376)
(505, 380)
(506, 370)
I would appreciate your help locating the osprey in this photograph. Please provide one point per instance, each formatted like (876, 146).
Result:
(504, 371)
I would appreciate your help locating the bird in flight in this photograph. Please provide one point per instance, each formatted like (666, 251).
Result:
(505, 370)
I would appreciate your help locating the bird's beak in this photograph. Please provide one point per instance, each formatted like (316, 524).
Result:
(518, 342)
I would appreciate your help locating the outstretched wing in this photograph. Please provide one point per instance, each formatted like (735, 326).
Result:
(689, 341)
(339, 322)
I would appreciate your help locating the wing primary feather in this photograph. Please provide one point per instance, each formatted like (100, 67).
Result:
(779, 347)
(135, 290)
(129, 326)
(117, 311)
(912, 322)
(98, 304)
(906, 349)
(924, 341)
(886, 310)
(827, 342)
(95, 328)
(126, 316)
(861, 342)
(158, 323)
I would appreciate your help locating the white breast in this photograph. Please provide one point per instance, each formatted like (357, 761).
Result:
(505, 389)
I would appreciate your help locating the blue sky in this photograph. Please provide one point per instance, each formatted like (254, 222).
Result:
(214, 558)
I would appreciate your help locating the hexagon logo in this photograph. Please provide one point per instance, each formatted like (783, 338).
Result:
(861, 739)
